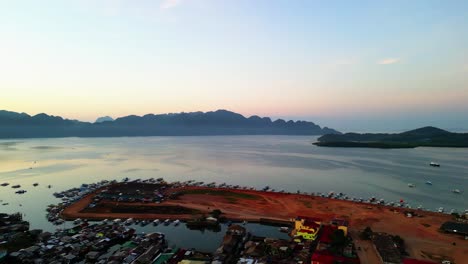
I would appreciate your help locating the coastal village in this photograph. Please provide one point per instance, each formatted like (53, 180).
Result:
(101, 234)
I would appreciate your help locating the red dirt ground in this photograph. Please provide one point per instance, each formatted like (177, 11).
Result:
(421, 234)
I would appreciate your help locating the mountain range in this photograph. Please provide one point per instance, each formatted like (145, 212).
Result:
(220, 122)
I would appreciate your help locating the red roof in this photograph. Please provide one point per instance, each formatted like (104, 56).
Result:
(310, 223)
(327, 231)
(318, 258)
(417, 261)
(306, 231)
(325, 257)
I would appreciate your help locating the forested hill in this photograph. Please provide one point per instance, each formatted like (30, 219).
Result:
(426, 136)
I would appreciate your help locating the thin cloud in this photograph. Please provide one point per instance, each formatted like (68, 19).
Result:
(389, 61)
(168, 4)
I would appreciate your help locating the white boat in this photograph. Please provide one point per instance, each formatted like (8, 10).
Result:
(77, 221)
(156, 222)
(116, 221)
(457, 191)
(129, 221)
(428, 182)
(411, 185)
(440, 210)
(167, 221)
(176, 222)
(433, 164)
(284, 229)
(105, 221)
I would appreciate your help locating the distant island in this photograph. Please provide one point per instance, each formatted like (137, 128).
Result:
(421, 137)
(220, 122)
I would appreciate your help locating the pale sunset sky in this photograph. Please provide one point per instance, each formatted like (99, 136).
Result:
(350, 65)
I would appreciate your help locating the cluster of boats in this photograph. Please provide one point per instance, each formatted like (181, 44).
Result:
(131, 221)
(433, 164)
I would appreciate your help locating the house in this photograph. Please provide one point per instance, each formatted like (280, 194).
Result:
(307, 227)
(327, 258)
(387, 249)
(341, 224)
(455, 227)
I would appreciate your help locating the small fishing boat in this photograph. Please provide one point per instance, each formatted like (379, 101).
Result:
(433, 164)
(411, 185)
(77, 221)
(143, 223)
(167, 222)
(456, 191)
(129, 221)
(117, 221)
(49, 186)
(105, 221)
(156, 222)
(5, 184)
(284, 229)
(4, 203)
(16, 186)
(35, 184)
(177, 222)
(428, 182)
(440, 210)
(20, 192)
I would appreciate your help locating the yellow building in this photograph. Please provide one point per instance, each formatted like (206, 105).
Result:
(307, 228)
(341, 224)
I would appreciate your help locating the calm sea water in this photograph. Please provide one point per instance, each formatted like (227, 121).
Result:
(283, 162)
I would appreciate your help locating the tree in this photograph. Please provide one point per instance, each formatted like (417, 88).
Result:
(366, 234)
(216, 213)
(338, 239)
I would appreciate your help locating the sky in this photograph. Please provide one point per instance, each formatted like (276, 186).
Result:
(350, 65)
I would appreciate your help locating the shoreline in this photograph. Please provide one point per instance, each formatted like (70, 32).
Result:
(421, 231)
(73, 211)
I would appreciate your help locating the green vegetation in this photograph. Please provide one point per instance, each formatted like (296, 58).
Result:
(422, 137)
(366, 234)
(216, 213)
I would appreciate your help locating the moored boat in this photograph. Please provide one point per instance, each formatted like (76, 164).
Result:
(428, 182)
(156, 222)
(456, 191)
(434, 164)
(411, 185)
(176, 222)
